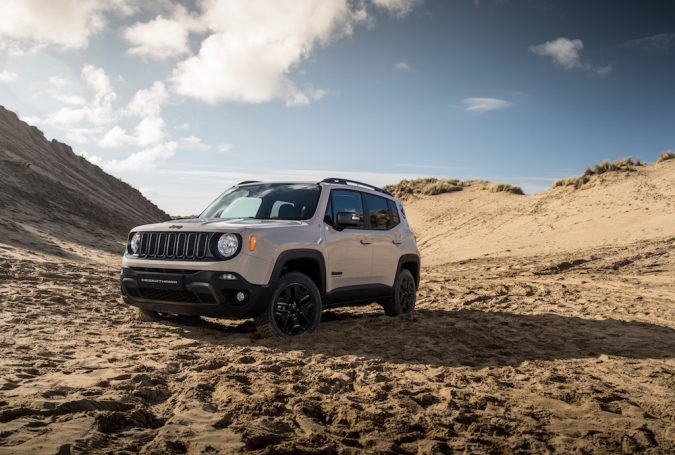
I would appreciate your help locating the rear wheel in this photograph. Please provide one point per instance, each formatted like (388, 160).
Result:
(295, 308)
(405, 295)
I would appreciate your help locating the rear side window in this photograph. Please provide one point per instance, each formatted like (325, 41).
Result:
(378, 212)
(345, 201)
(395, 219)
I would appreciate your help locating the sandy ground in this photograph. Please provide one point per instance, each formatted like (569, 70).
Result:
(545, 323)
(528, 354)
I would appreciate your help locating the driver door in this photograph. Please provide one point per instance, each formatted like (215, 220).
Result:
(348, 250)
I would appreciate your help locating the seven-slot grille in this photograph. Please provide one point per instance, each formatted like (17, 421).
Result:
(186, 246)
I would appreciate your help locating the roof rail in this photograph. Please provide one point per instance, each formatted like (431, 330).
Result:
(248, 181)
(354, 182)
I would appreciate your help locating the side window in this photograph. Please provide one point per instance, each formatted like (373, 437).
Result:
(346, 201)
(378, 212)
(395, 220)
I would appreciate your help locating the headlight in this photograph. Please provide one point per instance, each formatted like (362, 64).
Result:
(228, 245)
(135, 244)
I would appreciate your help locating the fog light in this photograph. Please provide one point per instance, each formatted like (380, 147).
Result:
(241, 296)
(228, 276)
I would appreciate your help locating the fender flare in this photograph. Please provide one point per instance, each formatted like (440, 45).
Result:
(300, 253)
(410, 258)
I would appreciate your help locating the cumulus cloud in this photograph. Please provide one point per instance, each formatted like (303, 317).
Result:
(254, 45)
(26, 25)
(144, 160)
(402, 66)
(145, 105)
(81, 119)
(8, 76)
(566, 53)
(481, 105)
(251, 47)
(162, 37)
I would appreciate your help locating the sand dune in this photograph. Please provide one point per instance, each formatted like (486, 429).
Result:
(613, 209)
(53, 200)
(545, 323)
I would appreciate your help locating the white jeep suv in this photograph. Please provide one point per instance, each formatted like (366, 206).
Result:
(278, 253)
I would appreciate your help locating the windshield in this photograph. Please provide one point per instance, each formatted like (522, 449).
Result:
(266, 201)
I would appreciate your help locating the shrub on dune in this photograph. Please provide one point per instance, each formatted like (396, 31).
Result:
(625, 165)
(665, 156)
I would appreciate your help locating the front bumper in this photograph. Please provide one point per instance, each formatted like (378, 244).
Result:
(192, 292)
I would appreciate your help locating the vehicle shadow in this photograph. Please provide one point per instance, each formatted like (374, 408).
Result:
(462, 337)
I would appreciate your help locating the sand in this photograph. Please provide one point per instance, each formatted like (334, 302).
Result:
(545, 323)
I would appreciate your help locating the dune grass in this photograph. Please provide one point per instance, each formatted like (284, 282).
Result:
(432, 186)
(625, 165)
(665, 156)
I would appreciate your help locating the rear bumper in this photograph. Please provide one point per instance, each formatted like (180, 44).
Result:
(195, 293)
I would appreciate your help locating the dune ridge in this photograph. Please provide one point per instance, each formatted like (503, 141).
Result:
(51, 197)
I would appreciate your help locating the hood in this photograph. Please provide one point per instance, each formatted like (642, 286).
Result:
(217, 225)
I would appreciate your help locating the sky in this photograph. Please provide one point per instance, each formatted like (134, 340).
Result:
(184, 99)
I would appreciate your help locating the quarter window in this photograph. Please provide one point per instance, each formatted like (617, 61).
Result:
(378, 212)
(395, 219)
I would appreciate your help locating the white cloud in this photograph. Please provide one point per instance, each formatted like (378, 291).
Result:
(27, 25)
(83, 119)
(160, 38)
(150, 130)
(398, 7)
(402, 66)
(144, 160)
(115, 137)
(481, 105)
(603, 70)
(253, 46)
(58, 81)
(148, 102)
(224, 148)
(193, 143)
(566, 53)
(8, 76)
(74, 100)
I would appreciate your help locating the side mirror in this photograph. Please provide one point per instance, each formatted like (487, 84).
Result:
(347, 219)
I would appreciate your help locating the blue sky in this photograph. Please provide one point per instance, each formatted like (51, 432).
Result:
(184, 99)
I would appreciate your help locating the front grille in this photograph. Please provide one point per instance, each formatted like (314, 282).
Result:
(176, 296)
(184, 246)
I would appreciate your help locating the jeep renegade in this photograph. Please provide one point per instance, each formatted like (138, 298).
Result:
(278, 253)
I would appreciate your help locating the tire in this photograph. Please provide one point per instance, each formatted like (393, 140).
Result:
(405, 295)
(294, 309)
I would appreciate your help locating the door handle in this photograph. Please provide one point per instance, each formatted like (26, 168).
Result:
(396, 242)
(365, 242)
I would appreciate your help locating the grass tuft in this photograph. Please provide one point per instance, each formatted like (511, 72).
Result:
(432, 186)
(665, 156)
(625, 165)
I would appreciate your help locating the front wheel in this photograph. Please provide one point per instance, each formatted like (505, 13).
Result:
(405, 295)
(295, 308)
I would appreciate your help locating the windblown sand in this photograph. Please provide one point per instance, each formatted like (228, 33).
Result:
(548, 327)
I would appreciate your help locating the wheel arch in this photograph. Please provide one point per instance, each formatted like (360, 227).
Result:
(410, 262)
(304, 260)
